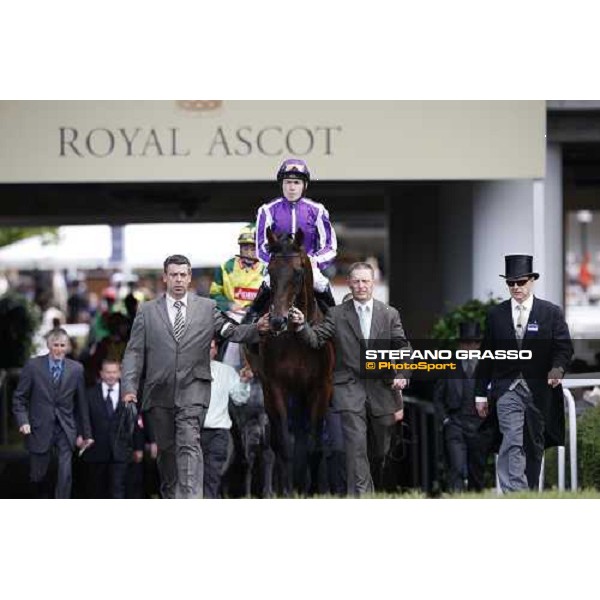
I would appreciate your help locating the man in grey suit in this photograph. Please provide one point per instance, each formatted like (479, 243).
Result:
(366, 406)
(169, 350)
(51, 411)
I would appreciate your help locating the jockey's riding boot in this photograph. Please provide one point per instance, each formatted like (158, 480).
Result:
(259, 304)
(325, 299)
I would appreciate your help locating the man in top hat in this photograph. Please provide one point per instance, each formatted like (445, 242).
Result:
(527, 393)
(464, 440)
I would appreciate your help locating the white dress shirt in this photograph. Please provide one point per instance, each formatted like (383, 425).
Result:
(226, 383)
(527, 305)
(173, 311)
(368, 314)
(114, 394)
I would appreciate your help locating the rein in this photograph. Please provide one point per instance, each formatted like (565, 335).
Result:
(298, 289)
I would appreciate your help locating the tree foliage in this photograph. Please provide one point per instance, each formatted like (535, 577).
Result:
(19, 320)
(10, 235)
(446, 327)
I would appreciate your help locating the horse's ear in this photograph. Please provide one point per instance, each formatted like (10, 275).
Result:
(271, 238)
(299, 238)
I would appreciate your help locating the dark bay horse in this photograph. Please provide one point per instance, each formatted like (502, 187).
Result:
(297, 380)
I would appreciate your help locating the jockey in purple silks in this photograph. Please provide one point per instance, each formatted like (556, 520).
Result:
(287, 214)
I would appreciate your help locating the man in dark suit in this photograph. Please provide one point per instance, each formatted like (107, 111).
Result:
(142, 479)
(112, 428)
(466, 439)
(170, 346)
(368, 408)
(527, 393)
(51, 411)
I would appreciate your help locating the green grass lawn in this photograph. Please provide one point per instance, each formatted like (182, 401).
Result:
(553, 494)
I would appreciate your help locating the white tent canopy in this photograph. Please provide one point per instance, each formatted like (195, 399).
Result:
(144, 246)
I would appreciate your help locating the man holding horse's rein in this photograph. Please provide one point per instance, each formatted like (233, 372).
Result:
(286, 215)
(373, 405)
(169, 351)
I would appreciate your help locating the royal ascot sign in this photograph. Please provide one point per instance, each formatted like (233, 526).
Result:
(101, 142)
(212, 140)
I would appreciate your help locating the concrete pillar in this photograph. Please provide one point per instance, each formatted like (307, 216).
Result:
(554, 253)
(503, 219)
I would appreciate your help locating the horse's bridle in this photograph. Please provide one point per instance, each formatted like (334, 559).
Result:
(296, 293)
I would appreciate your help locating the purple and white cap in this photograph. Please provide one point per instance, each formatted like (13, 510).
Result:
(293, 167)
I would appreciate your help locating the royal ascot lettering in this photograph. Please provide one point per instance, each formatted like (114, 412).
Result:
(273, 141)
(102, 142)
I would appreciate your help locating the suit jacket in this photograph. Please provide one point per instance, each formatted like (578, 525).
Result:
(350, 392)
(113, 434)
(37, 401)
(547, 336)
(449, 395)
(176, 374)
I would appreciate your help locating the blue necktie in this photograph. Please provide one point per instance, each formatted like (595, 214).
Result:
(56, 372)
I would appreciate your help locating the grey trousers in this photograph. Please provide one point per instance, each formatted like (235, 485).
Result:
(180, 463)
(522, 448)
(39, 463)
(362, 433)
(379, 440)
(358, 472)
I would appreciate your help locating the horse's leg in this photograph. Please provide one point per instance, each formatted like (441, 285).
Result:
(315, 449)
(282, 447)
(267, 458)
(275, 402)
(301, 444)
(250, 460)
(267, 463)
(315, 454)
(336, 456)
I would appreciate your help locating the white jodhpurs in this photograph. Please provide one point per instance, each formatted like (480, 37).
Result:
(320, 282)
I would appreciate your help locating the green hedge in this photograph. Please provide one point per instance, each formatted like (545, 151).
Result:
(588, 453)
(588, 448)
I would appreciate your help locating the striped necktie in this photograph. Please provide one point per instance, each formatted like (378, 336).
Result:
(520, 329)
(179, 323)
(56, 372)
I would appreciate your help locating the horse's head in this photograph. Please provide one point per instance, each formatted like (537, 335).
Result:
(291, 277)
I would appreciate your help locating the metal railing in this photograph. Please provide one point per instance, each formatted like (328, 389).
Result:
(570, 408)
(585, 380)
(425, 447)
(424, 444)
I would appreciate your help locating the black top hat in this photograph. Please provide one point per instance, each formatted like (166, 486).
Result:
(519, 265)
(469, 331)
